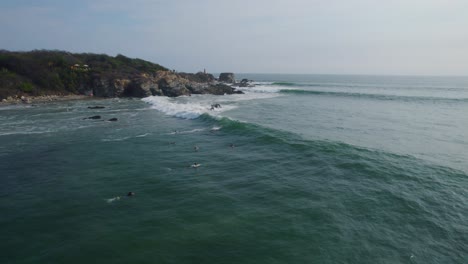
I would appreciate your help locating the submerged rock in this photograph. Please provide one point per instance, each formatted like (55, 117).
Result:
(93, 117)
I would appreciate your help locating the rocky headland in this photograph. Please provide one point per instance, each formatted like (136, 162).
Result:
(159, 83)
(50, 75)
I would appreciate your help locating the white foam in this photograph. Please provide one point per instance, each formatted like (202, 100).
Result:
(191, 107)
(253, 93)
(111, 200)
(268, 88)
(192, 131)
(25, 133)
(186, 131)
(186, 108)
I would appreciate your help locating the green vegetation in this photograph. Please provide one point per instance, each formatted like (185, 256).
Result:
(59, 72)
(26, 87)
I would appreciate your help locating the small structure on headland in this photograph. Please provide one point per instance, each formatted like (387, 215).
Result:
(78, 67)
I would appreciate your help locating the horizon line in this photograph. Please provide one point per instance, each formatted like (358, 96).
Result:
(355, 74)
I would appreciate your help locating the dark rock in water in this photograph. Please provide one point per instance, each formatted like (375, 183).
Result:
(227, 77)
(220, 89)
(93, 117)
(213, 106)
(245, 83)
(113, 119)
(96, 107)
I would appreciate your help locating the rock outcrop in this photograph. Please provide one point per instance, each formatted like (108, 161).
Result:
(199, 77)
(57, 73)
(142, 86)
(227, 77)
(162, 83)
(244, 83)
(171, 84)
(109, 86)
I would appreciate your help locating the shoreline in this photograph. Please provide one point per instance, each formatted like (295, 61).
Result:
(42, 99)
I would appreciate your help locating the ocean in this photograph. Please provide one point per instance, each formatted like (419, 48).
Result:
(299, 169)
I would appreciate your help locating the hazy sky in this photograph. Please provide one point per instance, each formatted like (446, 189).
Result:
(428, 37)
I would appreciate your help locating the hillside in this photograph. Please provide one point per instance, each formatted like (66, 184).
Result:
(42, 72)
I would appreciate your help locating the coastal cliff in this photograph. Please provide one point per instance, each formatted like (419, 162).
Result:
(40, 73)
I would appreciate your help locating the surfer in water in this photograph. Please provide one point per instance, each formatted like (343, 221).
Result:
(129, 194)
(195, 165)
(196, 148)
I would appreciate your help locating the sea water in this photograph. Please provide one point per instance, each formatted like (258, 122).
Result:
(299, 169)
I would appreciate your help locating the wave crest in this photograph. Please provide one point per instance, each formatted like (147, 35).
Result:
(374, 96)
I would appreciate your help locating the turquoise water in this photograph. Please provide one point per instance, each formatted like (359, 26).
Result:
(324, 169)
